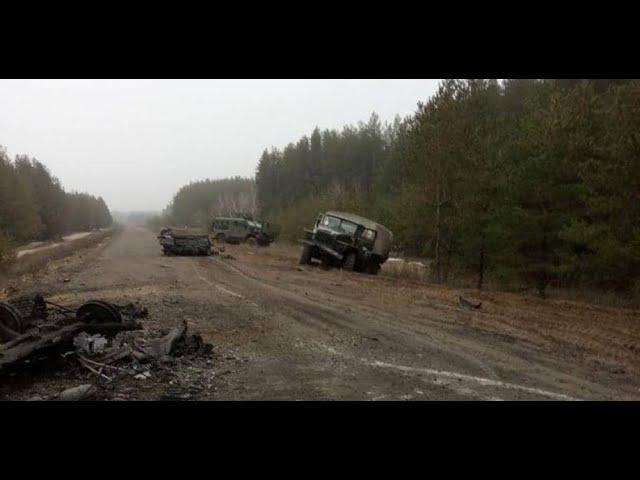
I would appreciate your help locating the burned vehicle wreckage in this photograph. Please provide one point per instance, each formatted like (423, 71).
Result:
(348, 241)
(102, 345)
(182, 243)
(31, 324)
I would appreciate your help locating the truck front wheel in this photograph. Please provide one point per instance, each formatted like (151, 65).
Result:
(305, 258)
(251, 241)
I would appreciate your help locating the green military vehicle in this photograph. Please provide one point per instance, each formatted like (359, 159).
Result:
(241, 230)
(184, 243)
(348, 241)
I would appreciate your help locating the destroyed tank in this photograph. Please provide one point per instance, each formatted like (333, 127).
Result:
(182, 243)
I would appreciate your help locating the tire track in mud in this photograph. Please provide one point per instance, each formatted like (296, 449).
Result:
(381, 325)
(328, 315)
(219, 287)
(303, 310)
(447, 348)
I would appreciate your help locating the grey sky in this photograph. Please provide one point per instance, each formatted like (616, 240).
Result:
(135, 142)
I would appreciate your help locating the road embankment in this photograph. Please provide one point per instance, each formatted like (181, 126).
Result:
(32, 259)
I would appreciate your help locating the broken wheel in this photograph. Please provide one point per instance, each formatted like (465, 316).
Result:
(10, 322)
(96, 311)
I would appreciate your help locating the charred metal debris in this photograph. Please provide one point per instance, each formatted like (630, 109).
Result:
(107, 341)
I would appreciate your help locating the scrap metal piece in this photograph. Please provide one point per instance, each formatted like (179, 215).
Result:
(90, 344)
(30, 342)
(11, 322)
(464, 303)
(80, 392)
(161, 347)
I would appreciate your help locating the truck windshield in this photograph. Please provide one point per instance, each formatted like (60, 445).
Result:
(348, 227)
(331, 222)
(335, 223)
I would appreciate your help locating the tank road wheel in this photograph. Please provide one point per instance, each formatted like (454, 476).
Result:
(305, 258)
(350, 261)
(251, 241)
(96, 311)
(10, 322)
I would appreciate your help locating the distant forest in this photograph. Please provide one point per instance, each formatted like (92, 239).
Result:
(197, 203)
(34, 206)
(529, 182)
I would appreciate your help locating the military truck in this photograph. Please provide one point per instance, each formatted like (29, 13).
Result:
(348, 241)
(184, 243)
(241, 230)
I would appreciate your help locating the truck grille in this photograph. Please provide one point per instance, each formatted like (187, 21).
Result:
(324, 237)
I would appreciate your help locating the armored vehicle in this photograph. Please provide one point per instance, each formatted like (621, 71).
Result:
(181, 243)
(348, 241)
(240, 230)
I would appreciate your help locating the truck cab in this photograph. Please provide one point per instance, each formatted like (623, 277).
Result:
(347, 240)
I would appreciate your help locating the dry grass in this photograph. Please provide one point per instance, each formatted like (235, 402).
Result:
(596, 297)
(274, 254)
(466, 281)
(408, 273)
(604, 334)
(33, 262)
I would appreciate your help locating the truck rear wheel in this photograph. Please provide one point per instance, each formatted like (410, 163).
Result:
(350, 262)
(251, 241)
(305, 258)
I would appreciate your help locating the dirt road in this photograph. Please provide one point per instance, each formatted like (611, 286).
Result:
(282, 331)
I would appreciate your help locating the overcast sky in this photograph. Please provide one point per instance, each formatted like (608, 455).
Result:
(135, 142)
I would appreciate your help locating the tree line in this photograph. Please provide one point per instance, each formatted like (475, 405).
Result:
(34, 206)
(534, 182)
(197, 203)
